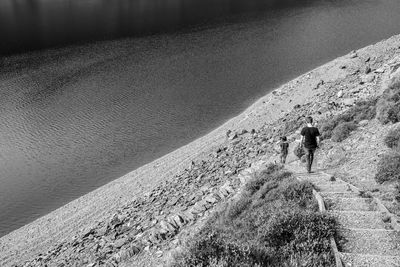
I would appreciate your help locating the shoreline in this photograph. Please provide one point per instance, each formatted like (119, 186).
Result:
(100, 204)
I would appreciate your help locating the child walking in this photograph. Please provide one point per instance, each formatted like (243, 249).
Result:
(284, 149)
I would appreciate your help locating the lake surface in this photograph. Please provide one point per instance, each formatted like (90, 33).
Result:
(76, 117)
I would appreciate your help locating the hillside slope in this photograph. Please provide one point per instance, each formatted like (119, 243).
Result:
(116, 226)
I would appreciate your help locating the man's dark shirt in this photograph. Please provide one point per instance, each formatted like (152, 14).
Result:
(310, 136)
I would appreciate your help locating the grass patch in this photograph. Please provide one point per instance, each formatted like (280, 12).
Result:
(342, 131)
(388, 111)
(388, 106)
(392, 139)
(340, 126)
(275, 222)
(388, 167)
(397, 193)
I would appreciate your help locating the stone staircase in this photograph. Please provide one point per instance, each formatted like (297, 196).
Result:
(370, 235)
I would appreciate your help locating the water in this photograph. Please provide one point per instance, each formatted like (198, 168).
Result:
(74, 118)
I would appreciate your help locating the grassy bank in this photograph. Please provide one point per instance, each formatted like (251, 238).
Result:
(274, 222)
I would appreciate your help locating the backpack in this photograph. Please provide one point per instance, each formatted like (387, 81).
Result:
(298, 151)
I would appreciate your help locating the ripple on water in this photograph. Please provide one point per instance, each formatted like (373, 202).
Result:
(75, 118)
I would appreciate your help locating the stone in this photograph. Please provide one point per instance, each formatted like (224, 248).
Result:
(228, 172)
(110, 264)
(367, 79)
(120, 242)
(349, 101)
(232, 137)
(321, 82)
(367, 69)
(353, 54)
(244, 178)
(235, 142)
(134, 249)
(116, 220)
(223, 193)
(386, 218)
(363, 123)
(167, 226)
(101, 231)
(340, 94)
(199, 207)
(124, 254)
(88, 232)
(176, 220)
(189, 216)
(211, 199)
(173, 201)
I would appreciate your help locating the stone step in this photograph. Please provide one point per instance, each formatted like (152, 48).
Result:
(322, 181)
(340, 194)
(349, 204)
(316, 179)
(365, 260)
(360, 219)
(373, 242)
(311, 175)
(334, 187)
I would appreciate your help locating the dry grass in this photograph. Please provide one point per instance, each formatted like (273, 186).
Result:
(275, 222)
(339, 127)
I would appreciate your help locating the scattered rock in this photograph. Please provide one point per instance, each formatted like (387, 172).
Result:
(386, 218)
(297, 106)
(367, 79)
(120, 242)
(349, 101)
(353, 54)
(159, 254)
(244, 131)
(321, 82)
(380, 70)
(232, 137)
(177, 221)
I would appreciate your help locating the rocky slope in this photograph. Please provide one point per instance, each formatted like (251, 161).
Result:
(117, 225)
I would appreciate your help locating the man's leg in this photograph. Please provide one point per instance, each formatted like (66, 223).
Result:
(311, 151)
(284, 155)
(308, 162)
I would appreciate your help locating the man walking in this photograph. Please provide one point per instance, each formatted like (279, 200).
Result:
(310, 141)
